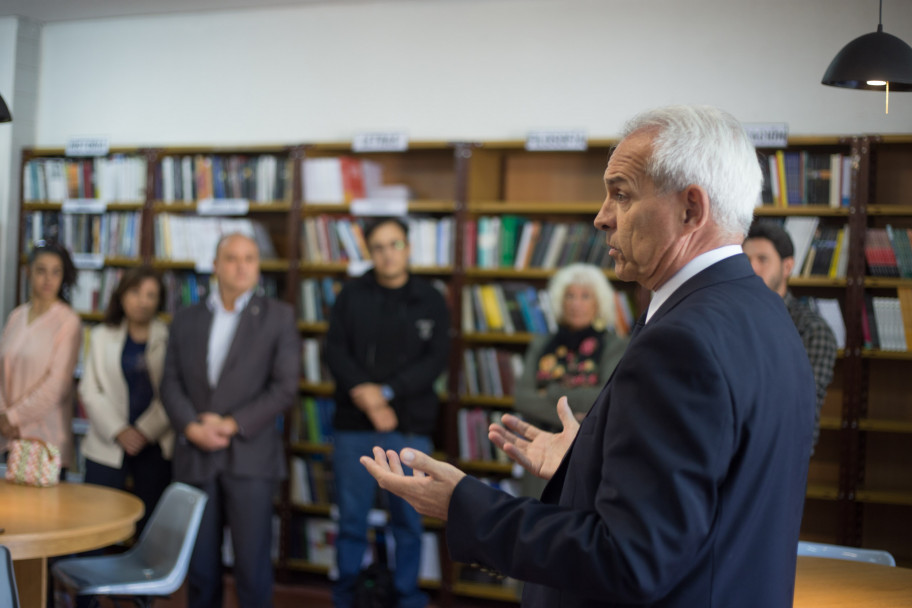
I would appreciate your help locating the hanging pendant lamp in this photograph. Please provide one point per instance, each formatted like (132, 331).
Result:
(873, 62)
(5, 115)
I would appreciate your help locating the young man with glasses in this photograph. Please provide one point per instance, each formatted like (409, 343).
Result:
(388, 342)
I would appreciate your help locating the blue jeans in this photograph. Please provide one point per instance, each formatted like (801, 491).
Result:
(355, 492)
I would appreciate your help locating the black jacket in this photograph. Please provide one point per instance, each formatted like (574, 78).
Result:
(409, 363)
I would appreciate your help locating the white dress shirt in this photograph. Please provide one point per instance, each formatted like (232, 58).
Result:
(221, 334)
(691, 269)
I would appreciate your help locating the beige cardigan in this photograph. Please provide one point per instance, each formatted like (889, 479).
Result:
(104, 393)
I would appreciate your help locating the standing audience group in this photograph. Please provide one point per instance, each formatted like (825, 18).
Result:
(650, 476)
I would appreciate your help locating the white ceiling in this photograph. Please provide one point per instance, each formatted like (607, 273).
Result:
(47, 11)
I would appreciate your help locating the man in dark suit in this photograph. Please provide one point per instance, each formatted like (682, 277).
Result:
(231, 369)
(684, 485)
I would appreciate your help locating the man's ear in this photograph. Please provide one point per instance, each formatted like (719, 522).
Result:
(696, 207)
(787, 265)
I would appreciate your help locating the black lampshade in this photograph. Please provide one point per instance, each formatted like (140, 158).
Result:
(5, 115)
(876, 56)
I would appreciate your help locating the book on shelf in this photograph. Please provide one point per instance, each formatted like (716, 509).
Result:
(804, 177)
(490, 372)
(472, 428)
(194, 238)
(879, 255)
(342, 179)
(263, 178)
(312, 420)
(93, 289)
(802, 231)
(899, 239)
(886, 321)
(512, 242)
(317, 297)
(116, 178)
(312, 362)
(830, 311)
(506, 307)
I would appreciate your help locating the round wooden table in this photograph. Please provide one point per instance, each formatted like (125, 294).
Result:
(837, 583)
(39, 523)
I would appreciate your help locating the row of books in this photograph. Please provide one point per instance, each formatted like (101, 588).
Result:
(887, 322)
(806, 178)
(186, 288)
(311, 420)
(114, 234)
(472, 429)
(311, 481)
(312, 361)
(506, 307)
(194, 238)
(343, 179)
(93, 289)
(820, 249)
(118, 178)
(888, 252)
(490, 372)
(511, 241)
(316, 298)
(328, 238)
(258, 179)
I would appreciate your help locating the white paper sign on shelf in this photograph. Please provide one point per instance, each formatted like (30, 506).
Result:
(392, 141)
(223, 206)
(358, 267)
(88, 261)
(87, 146)
(767, 134)
(541, 141)
(203, 266)
(84, 205)
(379, 206)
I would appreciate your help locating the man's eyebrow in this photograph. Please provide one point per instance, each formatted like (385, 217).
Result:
(611, 181)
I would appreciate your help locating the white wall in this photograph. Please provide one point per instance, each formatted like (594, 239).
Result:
(455, 69)
(19, 59)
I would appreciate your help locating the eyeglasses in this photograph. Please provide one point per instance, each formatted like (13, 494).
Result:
(397, 245)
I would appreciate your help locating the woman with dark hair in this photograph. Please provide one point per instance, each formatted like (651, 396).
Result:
(38, 353)
(129, 432)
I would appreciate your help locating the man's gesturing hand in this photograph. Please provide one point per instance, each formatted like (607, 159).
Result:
(538, 451)
(428, 489)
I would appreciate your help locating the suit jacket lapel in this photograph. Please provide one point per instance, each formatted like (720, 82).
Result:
(199, 343)
(244, 335)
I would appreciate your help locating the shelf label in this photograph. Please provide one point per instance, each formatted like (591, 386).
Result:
(379, 206)
(358, 267)
(223, 206)
(767, 134)
(542, 141)
(84, 205)
(87, 146)
(392, 141)
(88, 261)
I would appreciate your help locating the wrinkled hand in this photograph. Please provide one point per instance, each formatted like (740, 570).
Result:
(537, 451)
(384, 419)
(428, 489)
(368, 396)
(6, 429)
(131, 440)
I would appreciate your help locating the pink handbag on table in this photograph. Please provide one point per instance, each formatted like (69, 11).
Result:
(33, 462)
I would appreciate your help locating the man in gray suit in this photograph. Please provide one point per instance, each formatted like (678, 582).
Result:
(232, 368)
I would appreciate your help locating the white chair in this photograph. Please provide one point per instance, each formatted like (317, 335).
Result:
(8, 594)
(155, 566)
(872, 556)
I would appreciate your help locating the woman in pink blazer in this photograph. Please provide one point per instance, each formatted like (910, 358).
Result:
(38, 353)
